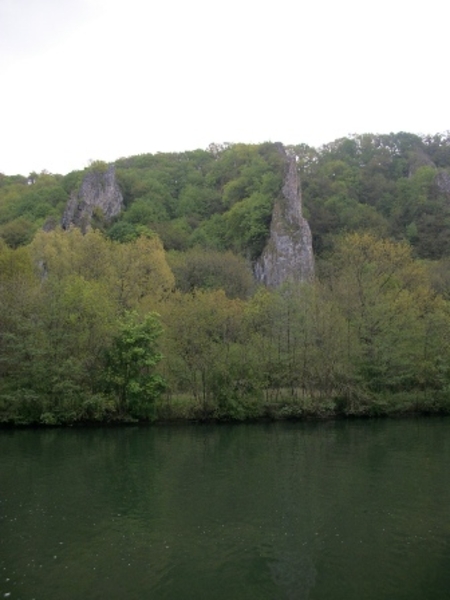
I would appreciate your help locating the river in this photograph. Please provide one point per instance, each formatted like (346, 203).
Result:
(341, 510)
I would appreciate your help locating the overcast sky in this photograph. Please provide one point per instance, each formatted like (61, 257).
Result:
(89, 80)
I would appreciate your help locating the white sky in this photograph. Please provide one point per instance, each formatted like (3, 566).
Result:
(101, 79)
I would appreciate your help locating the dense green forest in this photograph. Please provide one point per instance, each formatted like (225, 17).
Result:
(156, 314)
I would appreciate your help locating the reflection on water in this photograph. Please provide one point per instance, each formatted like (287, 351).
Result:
(294, 574)
(339, 510)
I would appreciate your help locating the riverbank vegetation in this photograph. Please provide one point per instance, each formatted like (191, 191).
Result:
(157, 316)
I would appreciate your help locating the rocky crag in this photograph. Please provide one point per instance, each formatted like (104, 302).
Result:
(442, 180)
(99, 197)
(288, 255)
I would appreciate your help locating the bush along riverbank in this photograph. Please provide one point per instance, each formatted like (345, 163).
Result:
(175, 409)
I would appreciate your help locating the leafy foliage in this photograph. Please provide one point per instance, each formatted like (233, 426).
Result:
(130, 362)
(79, 336)
(197, 269)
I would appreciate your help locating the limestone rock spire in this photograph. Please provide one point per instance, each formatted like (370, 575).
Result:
(288, 255)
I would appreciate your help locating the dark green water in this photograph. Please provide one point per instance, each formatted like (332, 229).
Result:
(329, 511)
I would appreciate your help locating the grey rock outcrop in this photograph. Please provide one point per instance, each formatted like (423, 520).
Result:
(288, 255)
(442, 180)
(99, 196)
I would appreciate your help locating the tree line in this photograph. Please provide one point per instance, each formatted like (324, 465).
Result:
(395, 185)
(157, 315)
(93, 329)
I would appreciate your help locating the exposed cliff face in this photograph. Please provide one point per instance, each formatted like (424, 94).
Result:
(442, 181)
(99, 196)
(288, 255)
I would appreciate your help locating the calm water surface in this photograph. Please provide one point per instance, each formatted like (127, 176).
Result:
(329, 511)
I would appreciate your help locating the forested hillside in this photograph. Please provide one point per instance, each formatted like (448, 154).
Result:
(156, 313)
(396, 185)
